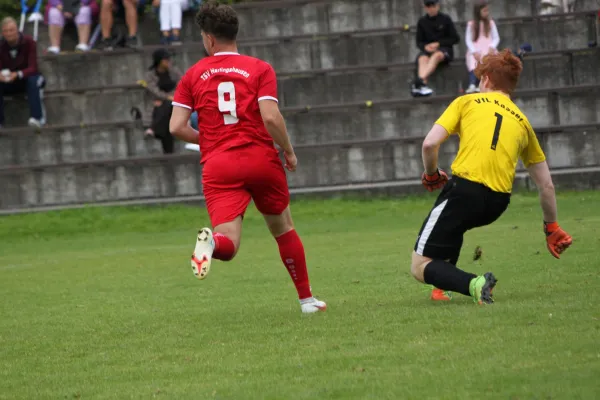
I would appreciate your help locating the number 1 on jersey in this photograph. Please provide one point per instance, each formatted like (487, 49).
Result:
(497, 131)
(227, 106)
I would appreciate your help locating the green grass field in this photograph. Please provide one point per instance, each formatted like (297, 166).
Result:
(100, 303)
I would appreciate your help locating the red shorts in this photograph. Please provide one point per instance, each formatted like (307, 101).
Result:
(232, 178)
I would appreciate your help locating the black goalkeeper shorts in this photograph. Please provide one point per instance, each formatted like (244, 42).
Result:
(462, 205)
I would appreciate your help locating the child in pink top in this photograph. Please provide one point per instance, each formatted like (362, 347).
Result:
(481, 38)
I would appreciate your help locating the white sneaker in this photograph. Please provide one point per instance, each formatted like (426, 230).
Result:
(35, 123)
(426, 91)
(312, 305)
(54, 50)
(82, 47)
(36, 16)
(205, 245)
(420, 91)
(471, 89)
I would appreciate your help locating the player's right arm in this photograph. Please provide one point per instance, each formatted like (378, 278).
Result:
(534, 159)
(183, 105)
(434, 178)
(272, 118)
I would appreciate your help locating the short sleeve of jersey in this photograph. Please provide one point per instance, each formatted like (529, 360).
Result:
(183, 94)
(533, 153)
(267, 84)
(450, 119)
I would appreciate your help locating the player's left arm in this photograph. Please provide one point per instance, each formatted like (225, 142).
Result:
(183, 104)
(534, 159)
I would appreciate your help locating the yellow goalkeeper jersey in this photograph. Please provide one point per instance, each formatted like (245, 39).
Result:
(493, 134)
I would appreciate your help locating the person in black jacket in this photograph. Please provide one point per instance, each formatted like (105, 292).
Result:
(436, 35)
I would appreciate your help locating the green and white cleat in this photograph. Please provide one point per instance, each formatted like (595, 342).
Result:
(205, 245)
(481, 288)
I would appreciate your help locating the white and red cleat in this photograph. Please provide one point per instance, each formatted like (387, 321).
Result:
(203, 252)
(312, 305)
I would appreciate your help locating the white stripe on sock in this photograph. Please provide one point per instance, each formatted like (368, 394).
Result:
(433, 218)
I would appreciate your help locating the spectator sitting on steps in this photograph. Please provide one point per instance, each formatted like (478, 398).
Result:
(161, 81)
(436, 34)
(19, 71)
(79, 11)
(481, 38)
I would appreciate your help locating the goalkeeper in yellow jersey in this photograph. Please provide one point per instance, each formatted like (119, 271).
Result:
(493, 134)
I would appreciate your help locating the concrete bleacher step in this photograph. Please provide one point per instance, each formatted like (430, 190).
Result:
(91, 106)
(387, 81)
(320, 166)
(390, 118)
(76, 143)
(386, 118)
(584, 178)
(70, 71)
(272, 19)
(318, 87)
(277, 19)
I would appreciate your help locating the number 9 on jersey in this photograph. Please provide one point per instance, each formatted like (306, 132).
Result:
(227, 107)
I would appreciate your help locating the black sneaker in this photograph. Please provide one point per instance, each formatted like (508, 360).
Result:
(175, 40)
(106, 44)
(419, 88)
(132, 42)
(415, 88)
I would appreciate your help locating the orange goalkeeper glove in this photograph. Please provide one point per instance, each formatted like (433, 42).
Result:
(557, 240)
(435, 181)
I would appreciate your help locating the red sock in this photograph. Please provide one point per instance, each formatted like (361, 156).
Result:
(292, 255)
(224, 247)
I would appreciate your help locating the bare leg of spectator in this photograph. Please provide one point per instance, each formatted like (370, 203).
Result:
(56, 22)
(423, 63)
(131, 18)
(106, 18)
(106, 24)
(431, 65)
(83, 20)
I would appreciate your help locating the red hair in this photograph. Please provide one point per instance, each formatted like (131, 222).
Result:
(503, 70)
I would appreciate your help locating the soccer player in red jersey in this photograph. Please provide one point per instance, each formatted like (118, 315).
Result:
(238, 122)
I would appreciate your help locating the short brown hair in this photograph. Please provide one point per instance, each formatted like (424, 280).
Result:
(503, 69)
(218, 20)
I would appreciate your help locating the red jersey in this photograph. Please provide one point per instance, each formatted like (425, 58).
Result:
(225, 90)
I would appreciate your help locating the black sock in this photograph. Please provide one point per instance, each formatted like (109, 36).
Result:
(446, 276)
